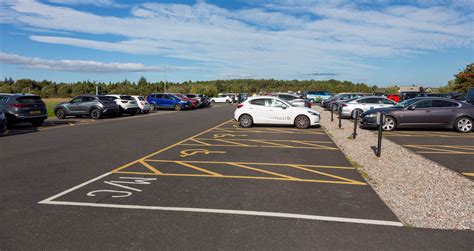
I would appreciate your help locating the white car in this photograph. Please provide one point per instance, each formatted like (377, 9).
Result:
(221, 99)
(363, 104)
(273, 110)
(145, 107)
(127, 104)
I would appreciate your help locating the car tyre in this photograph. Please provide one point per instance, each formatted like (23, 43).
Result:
(353, 115)
(96, 113)
(178, 107)
(37, 122)
(245, 121)
(463, 124)
(302, 122)
(132, 113)
(60, 113)
(389, 123)
(213, 101)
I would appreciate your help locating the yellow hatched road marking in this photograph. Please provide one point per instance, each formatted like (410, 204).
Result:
(167, 148)
(247, 177)
(329, 175)
(230, 142)
(251, 163)
(265, 146)
(153, 169)
(270, 143)
(264, 171)
(200, 142)
(438, 149)
(198, 168)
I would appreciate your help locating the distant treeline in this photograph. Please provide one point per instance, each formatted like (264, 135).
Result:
(49, 89)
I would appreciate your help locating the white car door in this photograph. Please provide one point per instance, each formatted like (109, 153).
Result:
(258, 110)
(278, 112)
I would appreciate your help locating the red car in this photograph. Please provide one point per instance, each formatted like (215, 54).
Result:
(194, 102)
(394, 97)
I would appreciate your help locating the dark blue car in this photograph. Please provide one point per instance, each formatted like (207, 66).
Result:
(167, 101)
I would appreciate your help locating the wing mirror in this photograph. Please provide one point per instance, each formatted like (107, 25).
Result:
(411, 107)
(284, 106)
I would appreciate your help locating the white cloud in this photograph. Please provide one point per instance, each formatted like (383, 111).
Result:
(100, 3)
(275, 40)
(82, 65)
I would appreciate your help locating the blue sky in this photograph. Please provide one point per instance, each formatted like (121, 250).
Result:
(379, 42)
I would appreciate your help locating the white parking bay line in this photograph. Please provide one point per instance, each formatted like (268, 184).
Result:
(232, 212)
(45, 201)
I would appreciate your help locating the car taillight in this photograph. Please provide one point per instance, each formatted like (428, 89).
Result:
(19, 105)
(239, 106)
(343, 105)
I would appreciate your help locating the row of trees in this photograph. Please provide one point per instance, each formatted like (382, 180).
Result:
(48, 89)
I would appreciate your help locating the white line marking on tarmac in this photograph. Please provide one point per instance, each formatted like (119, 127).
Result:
(234, 212)
(74, 188)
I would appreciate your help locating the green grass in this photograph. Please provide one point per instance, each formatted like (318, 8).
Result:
(51, 103)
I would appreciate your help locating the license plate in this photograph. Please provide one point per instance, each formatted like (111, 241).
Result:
(35, 112)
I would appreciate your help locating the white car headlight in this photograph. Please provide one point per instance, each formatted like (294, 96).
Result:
(313, 113)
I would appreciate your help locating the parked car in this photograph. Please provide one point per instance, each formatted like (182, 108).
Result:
(3, 123)
(424, 113)
(363, 104)
(273, 110)
(23, 108)
(127, 104)
(95, 106)
(203, 100)
(408, 95)
(144, 106)
(293, 99)
(167, 101)
(194, 102)
(221, 98)
(318, 96)
(470, 96)
(332, 103)
(394, 97)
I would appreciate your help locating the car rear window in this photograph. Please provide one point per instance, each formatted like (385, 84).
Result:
(444, 103)
(29, 100)
(126, 97)
(259, 101)
(3, 99)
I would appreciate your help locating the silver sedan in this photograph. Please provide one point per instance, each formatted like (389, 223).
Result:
(363, 104)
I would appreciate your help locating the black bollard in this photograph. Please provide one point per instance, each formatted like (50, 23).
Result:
(354, 134)
(380, 119)
(340, 117)
(332, 115)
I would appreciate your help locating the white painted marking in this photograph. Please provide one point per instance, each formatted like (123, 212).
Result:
(226, 211)
(74, 188)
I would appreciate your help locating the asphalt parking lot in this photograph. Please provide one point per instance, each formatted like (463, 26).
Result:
(193, 179)
(451, 149)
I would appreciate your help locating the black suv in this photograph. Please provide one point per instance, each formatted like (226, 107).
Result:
(23, 108)
(94, 105)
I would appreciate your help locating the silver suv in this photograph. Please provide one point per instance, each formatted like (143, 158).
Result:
(23, 108)
(94, 105)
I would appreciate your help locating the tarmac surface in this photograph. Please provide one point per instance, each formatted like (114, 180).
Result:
(451, 149)
(192, 179)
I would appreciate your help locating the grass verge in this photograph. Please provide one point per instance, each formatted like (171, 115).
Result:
(51, 103)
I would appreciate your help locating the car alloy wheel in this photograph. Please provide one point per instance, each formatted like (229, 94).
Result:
(60, 114)
(356, 111)
(177, 108)
(389, 124)
(95, 114)
(245, 121)
(464, 125)
(302, 122)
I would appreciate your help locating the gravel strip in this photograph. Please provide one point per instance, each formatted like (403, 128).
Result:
(420, 192)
